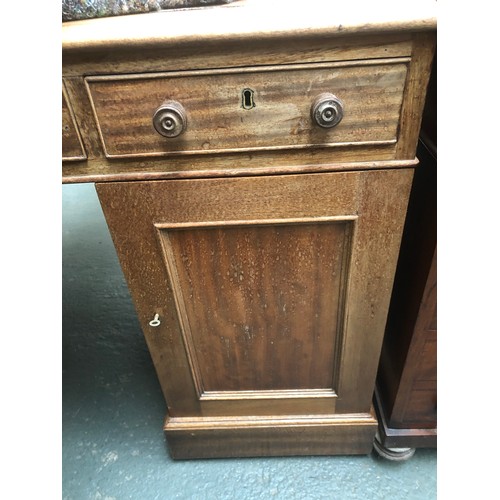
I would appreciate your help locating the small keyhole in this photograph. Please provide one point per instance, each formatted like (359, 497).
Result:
(247, 99)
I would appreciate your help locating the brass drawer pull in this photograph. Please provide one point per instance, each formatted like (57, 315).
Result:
(170, 119)
(327, 110)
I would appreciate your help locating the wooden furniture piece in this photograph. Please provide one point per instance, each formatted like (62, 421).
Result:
(254, 170)
(406, 395)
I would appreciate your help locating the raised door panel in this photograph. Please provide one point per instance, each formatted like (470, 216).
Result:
(271, 292)
(260, 302)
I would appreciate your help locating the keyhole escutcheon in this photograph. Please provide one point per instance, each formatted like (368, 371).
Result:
(247, 101)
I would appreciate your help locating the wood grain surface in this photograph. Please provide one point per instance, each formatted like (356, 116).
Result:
(193, 321)
(407, 376)
(156, 158)
(266, 246)
(372, 94)
(259, 318)
(248, 21)
(72, 148)
(257, 436)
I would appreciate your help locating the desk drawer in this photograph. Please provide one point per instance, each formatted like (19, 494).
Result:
(249, 109)
(72, 148)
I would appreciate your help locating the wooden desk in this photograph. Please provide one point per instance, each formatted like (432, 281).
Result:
(254, 170)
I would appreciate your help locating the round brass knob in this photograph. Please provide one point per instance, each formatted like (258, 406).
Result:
(170, 119)
(327, 110)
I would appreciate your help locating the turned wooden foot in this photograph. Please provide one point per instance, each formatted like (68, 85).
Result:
(394, 454)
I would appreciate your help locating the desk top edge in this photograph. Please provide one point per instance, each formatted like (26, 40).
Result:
(250, 20)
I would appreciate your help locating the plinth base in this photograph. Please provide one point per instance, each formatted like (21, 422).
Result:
(218, 437)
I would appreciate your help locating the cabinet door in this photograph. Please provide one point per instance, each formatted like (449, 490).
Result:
(271, 292)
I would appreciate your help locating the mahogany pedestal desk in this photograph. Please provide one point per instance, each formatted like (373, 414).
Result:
(254, 163)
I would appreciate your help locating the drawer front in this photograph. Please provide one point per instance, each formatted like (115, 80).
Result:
(72, 148)
(253, 109)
